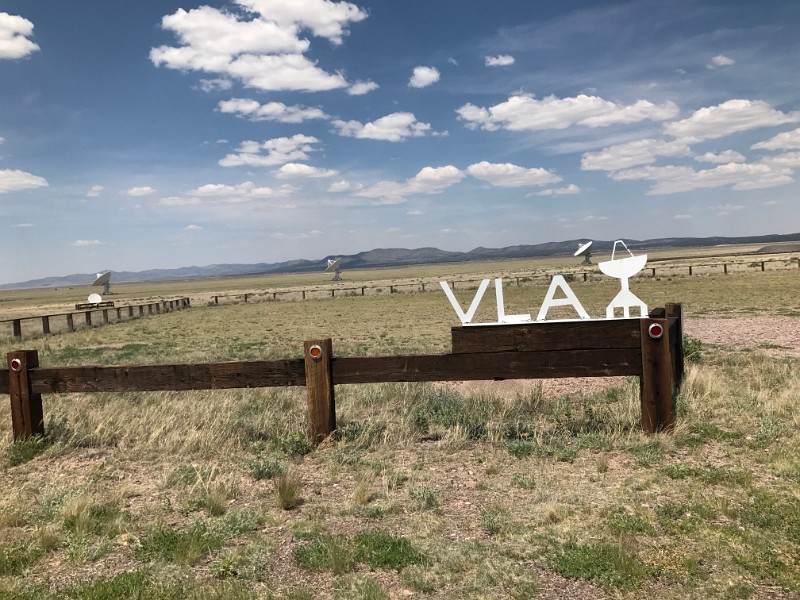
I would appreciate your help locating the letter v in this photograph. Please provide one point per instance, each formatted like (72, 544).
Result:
(465, 318)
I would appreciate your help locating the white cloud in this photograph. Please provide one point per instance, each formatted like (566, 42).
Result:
(14, 33)
(631, 154)
(392, 128)
(14, 180)
(233, 194)
(415, 213)
(729, 117)
(324, 18)
(509, 175)
(136, 192)
(215, 85)
(788, 140)
(94, 191)
(264, 49)
(674, 179)
(271, 111)
(720, 60)
(344, 186)
(721, 158)
(787, 160)
(178, 201)
(292, 170)
(85, 243)
(682, 217)
(278, 151)
(423, 77)
(359, 88)
(193, 227)
(429, 180)
(503, 60)
(23, 225)
(525, 113)
(568, 190)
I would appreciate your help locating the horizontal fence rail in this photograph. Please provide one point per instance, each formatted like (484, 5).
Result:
(89, 315)
(599, 348)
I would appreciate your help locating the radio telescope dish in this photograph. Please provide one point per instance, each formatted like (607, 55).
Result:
(583, 249)
(103, 279)
(94, 299)
(334, 266)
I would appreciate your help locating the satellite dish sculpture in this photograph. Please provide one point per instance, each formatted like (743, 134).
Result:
(334, 266)
(623, 269)
(103, 279)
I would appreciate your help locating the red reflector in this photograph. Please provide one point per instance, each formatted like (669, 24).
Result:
(16, 365)
(656, 331)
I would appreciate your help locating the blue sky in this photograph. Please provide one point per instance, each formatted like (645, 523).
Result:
(138, 135)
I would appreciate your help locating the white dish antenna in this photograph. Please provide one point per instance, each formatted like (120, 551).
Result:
(334, 266)
(623, 269)
(103, 279)
(583, 249)
(94, 299)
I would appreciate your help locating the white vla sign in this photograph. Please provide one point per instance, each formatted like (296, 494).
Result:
(621, 269)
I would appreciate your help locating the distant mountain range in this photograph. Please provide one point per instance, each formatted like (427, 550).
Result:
(393, 257)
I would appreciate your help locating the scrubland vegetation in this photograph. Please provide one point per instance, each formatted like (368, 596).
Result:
(427, 490)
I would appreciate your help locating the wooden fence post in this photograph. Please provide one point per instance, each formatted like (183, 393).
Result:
(656, 383)
(26, 407)
(16, 326)
(319, 385)
(674, 312)
(46, 325)
(70, 323)
(89, 318)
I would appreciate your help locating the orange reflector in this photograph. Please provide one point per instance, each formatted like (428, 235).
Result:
(315, 352)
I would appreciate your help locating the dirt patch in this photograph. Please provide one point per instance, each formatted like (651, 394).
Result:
(780, 336)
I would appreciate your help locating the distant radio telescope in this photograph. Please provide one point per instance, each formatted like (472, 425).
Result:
(334, 266)
(103, 279)
(584, 250)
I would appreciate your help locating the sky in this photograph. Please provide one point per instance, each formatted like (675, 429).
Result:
(162, 134)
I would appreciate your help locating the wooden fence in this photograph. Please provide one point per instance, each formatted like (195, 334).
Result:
(46, 324)
(650, 348)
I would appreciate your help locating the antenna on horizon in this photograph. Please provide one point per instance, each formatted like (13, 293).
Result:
(583, 249)
(103, 279)
(334, 267)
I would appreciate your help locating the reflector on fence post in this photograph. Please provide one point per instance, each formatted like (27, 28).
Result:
(655, 331)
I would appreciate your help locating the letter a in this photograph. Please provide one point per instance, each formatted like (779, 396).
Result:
(570, 300)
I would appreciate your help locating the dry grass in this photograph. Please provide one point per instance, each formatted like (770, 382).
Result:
(521, 495)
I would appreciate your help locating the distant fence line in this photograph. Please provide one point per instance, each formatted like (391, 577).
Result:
(317, 293)
(58, 322)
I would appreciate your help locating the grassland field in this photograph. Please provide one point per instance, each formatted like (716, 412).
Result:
(507, 490)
